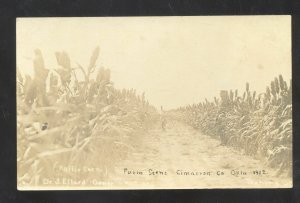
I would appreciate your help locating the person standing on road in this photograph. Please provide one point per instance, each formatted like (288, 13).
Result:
(163, 119)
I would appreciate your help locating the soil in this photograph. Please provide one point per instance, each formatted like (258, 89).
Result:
(182, 157)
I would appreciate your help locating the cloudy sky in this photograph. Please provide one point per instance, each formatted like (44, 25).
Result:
(174, 60)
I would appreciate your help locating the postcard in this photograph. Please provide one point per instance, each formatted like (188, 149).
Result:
(183, 102)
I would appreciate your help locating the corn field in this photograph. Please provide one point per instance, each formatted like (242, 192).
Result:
(257, 125)
(63, 120)
(74, 116)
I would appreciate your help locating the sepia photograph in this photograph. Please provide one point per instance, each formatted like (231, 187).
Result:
(182, 102)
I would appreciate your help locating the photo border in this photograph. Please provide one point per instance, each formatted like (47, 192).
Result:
(9, 10)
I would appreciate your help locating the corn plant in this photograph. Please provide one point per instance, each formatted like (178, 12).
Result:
(62, 120)
(258, 125)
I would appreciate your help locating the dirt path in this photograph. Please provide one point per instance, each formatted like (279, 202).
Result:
(181, 157)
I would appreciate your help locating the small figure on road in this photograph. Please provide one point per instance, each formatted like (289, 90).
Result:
(163, 123)
(163, 119)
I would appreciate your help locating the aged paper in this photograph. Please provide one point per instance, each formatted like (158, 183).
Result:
(154, 102)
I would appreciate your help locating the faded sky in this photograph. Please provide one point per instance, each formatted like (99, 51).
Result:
(174, 60)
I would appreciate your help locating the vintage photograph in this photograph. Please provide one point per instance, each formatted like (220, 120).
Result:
(186, 102)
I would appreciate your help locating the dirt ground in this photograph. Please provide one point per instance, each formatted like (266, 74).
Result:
(181, 157)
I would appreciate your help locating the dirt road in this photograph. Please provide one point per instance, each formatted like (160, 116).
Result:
(181, 157)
